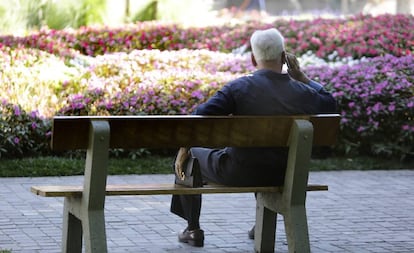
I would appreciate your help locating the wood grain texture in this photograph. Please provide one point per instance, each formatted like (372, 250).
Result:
(158, 189)
(132, 132)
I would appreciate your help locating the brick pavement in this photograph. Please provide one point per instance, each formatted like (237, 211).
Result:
(363, 211)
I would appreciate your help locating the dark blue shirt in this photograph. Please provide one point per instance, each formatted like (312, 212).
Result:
(264, 92)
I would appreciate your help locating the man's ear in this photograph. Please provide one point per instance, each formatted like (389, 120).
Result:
(253, 59)
(283, 60)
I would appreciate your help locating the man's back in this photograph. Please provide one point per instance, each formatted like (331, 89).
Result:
(265, 92)
(269, 93)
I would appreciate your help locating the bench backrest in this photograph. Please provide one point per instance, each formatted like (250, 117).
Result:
(131, 132)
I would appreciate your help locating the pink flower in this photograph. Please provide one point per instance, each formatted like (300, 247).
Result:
(17, 111)
(377, 107)
(197, 94)
(315, 41)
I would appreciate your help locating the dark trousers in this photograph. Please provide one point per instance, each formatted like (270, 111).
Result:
(187, 207)
(217, 167)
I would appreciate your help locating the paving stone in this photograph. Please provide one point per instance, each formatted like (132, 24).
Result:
(363, 211)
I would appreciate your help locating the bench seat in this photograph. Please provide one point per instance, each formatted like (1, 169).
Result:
(158, 189)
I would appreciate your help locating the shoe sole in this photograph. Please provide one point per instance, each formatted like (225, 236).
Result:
(193, 242)
(196, 243)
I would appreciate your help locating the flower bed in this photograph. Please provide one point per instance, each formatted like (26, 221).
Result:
(151, 82)
(375, 94)
(354, 36)
(22, 133)
(376, 100)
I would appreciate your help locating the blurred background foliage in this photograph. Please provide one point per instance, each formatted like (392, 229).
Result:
(19, 16)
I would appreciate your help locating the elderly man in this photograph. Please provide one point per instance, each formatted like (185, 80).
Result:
(267, 91)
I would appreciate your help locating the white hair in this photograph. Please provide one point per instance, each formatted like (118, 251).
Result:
(267, 44)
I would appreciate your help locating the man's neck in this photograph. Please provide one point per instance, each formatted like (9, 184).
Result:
(270, 65)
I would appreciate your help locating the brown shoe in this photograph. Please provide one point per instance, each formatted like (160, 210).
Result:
(193, 237)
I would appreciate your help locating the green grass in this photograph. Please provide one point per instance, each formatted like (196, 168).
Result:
(5, 251)
(359, 163)
(58, 166)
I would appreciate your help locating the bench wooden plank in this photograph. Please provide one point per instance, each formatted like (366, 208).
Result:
(132, 132)
(157, 189)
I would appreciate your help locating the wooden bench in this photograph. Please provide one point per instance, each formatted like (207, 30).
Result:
(83, 216)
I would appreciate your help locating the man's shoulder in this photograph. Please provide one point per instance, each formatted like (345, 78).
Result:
(241, 80)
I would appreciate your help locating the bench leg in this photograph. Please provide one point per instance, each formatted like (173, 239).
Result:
(265, 230)
(72, 231)
(80, 223)
(94, 232)
(296, 227)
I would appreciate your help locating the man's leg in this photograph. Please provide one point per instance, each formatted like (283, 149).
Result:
(210, 161)
(187, 207)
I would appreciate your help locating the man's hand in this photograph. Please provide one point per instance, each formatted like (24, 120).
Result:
(182, 156)
(294, 69)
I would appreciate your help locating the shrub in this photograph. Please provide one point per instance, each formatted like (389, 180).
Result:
(376, 100)
(29, 14)
(375, 94)
(356, 36)
(11, 18)
(22, 133)
(359, 36)
(32, 79)
(148, 13)
(153, 82)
